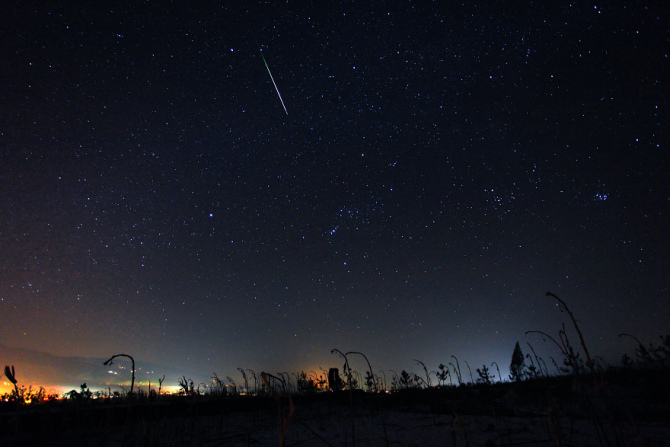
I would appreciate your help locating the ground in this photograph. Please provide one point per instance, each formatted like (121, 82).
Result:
(625, 409)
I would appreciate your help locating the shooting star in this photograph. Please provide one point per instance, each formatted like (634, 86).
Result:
(274, 83)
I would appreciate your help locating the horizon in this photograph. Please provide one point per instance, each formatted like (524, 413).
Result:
(145, 379)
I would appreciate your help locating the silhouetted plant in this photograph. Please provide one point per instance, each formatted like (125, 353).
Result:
(11, 376)
(517, 366)
(232, 383)
(285, 415)
(537, 360)
(187, 386)
(39, 396)
(662, 353)
(183, 384)
(472, 380)
(286, 381)
(484, 376)
(499, 376)
(84, 393)
(555, 364)
(404, 379)
(346, 368)
(541, 360)
(409, 380)
(304, 383)
(334, 380)
(321, 380)
(23, 395)
(572, 363)
(600, 364)
(532, 369)
(356, 379)
(218, 387)
(457, 370)
(428, 381)
(370, 374)
(253, 374)
(654, 355)
(443, 374)
(564, 307)
(160, 383)
(370, 381)
(571, 359)
(385, 388)
(394, 380)
(626, 361)
(132, 382)
(246, 382)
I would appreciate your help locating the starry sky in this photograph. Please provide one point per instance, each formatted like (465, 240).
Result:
(439, 168)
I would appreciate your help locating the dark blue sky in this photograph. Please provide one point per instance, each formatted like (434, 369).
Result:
(440, 168)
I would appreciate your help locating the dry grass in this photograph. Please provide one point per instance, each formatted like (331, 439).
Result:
(586, 404)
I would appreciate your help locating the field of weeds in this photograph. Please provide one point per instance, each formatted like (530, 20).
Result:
(585, 403)
(555, 411)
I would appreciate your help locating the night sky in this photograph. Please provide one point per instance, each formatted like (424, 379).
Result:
(440, 168)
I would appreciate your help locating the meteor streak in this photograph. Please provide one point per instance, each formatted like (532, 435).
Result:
(274, 83)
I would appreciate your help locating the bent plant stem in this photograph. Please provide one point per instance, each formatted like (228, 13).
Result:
(132, 382)
(372, 374)
(246, 382)
(472, 380)
(347, 369)
(598, 384)
(499, 376)
(428, 382)
(11, 376)
(253, 373)
(644, 354)
(537, 359)
(285, 421)
(376, 391)
(458, 371)
(458, 377)
(579, 332)
(128, 426)
(564, 347)
(573, 358)
(544, 334)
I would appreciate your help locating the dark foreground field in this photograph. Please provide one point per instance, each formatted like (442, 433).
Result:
(632, 408)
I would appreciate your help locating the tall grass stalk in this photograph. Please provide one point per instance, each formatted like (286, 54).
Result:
(284, 419)
(598, 384)
(537, 360)
(499, 376)
(472, 380)
(132, 360)
(428, 381)
(564, 307)
(11, 376)
(457, 370)
(347, 371)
